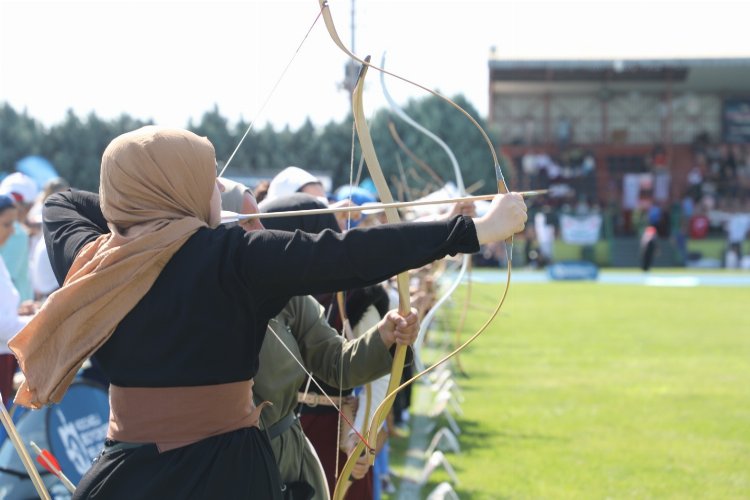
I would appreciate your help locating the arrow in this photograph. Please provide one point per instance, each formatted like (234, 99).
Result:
(10, 428)
(227, 216)
(49, 462)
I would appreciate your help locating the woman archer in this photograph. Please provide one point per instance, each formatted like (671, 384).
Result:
(175, 307)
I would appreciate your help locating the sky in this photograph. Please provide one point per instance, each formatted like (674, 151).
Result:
(170, 61)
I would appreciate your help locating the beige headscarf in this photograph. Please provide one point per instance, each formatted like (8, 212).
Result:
(155, 192)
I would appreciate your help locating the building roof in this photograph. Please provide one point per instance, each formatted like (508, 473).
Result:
(725, 75)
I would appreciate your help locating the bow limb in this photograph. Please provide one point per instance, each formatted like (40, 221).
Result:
(465, 259)
(501, 184)
(408, 119)
(399, 358)
(377, 176)
(502, 188)
(421, 163)
(404, 299)
(325, 12)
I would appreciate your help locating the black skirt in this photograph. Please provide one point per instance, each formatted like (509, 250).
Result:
(236, 465)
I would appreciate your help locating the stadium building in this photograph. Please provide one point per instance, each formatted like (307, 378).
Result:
(626, 135)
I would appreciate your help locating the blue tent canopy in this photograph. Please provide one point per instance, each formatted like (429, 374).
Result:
(38, 168)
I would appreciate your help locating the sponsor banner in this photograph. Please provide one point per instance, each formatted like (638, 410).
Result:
(573, 270)
(736, 118)
(580, 229)
(77, 428)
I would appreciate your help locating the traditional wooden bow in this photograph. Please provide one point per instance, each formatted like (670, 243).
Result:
(465, 258)
(404, 302)
(384, 193)
(373, 165)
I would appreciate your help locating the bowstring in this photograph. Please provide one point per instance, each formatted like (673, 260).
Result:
(361, 437)
(271, 93)
(343, 313)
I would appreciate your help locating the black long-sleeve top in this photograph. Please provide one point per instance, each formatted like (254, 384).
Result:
(204, 319)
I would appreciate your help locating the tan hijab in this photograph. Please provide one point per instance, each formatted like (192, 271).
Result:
(156, 188)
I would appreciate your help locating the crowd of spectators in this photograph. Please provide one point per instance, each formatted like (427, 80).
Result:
(645, 196)
(26, 277)
(717, 201)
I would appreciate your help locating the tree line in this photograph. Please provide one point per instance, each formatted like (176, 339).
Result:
(410, 160)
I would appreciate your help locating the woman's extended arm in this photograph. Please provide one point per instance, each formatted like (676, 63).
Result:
(71, 220)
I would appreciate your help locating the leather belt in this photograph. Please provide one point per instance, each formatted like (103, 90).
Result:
(282, 425)
(312, 399)
(173, 417)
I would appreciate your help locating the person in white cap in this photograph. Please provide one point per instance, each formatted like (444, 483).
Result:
(295, 180)
(20, 187)
(15, 252)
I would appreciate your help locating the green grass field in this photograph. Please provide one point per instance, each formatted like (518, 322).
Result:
(588, 390)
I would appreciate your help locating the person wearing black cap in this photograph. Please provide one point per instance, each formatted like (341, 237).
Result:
(300, 335)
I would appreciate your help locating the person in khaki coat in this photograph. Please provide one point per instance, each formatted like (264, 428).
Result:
(301, 333)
